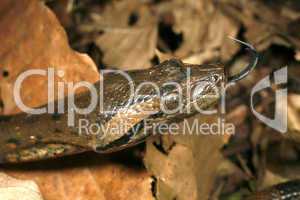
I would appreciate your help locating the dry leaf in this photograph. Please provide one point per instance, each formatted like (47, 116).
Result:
(32, 38)
(186, 167)
(204, 29)
(127, 45)
(266, 23)
(128, 48)
(87, 176)
(128, 34)
(270, 179)
(14, 189)
(293, 117)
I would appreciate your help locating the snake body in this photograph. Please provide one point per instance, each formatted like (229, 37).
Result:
(25, 137)
(284, 191)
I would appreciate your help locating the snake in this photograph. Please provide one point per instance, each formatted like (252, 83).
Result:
(140, 99)
(289, 190)
(29, 137)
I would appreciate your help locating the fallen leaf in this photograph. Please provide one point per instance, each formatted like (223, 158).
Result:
(293, 117)
(185, 165)
(32, 38)
(87, 176)
(128, 34)
(128, 48)
(266, 23)
(204, 29)
(14, 189)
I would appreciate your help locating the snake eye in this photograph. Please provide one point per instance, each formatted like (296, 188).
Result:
(171, 103)
(198, 90)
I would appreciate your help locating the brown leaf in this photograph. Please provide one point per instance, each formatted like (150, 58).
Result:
(186, 168)
(14, 189)
(128, 34)
(203, 28)
(128, 48)
(293, 117)
(205, 31)
(86, 176)
(266, 23)
(32, 38)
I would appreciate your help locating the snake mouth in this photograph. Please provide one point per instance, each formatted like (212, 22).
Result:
(124, 141)
(138, 132)
(135, 135)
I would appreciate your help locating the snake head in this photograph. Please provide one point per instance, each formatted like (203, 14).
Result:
(169, 92)
(196, 91)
